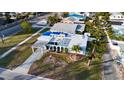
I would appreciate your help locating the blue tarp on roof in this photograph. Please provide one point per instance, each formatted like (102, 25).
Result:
(46, 33)
(56, 33)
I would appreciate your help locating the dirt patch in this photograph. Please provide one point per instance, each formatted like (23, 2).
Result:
(52, 65)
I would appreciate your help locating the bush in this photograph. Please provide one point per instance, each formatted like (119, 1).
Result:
(26, 26)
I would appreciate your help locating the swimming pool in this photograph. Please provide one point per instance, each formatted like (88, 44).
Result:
(77, 16)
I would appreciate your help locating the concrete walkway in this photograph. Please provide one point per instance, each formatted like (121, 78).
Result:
(6, 74)
(24, 68)
(15, 47)
(109, 72)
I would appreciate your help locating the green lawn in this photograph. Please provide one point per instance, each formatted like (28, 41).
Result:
(19, 55)
(14, 40)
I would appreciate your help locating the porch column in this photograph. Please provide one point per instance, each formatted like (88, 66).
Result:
(32, 49)
(56, 48)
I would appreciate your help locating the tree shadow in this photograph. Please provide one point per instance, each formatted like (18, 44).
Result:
(99, 63)
(83, 75)
(6, 61)
(6, 48)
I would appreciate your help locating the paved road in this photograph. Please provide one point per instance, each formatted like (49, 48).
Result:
(6, 74)
(15, 29)
(11, 31)
(109, 69)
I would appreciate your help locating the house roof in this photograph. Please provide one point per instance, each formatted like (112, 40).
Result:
(81, 27)
(64, 27)
(72, 19)
(44, 38)
(79, 40)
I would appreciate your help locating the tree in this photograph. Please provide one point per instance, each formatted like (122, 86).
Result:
(53, 19)
(65, 14)
(96, 28)
(7, 17)
(91, 57)
(26, 26)
(76, 48)
(122, 13)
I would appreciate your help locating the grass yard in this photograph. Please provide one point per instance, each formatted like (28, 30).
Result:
(14, 40)
(62, 68)
(19, 55)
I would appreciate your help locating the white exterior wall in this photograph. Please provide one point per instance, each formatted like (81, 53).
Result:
(116, 17)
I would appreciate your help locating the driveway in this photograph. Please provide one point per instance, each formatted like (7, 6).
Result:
(24, 68)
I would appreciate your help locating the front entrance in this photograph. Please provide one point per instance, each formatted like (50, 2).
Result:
(58, 49)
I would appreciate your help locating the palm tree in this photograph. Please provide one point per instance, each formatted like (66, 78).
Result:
(76, 48)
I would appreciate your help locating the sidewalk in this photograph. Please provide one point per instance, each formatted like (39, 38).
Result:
(15, 47)
(24, 68)
(109, 72)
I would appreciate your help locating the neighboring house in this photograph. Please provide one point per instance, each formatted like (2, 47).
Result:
(40, 24)
(118, 29)
(72, 20)
(82, 15)
(69, 28)
(116, 18)
(78, 15)
(64, 27)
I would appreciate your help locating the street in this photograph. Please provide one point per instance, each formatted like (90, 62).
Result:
(11, 31)
(15, 29)
(6, 74)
